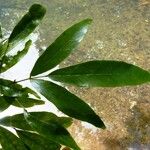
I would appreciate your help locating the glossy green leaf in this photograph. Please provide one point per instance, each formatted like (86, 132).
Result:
(27, 102)
(23, 101)
(18, 121)
(27, 24)
(61, 47)
(6, 82)
(9, 141)
(67, 102)
(52, 131)
(4, 104)
(9, 61)
(101, 73)
(12, 89)
(36, 142)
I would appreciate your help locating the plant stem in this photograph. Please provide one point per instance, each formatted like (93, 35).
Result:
(21, 80)
(29, 79)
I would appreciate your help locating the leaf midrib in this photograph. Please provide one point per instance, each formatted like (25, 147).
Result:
(85, 74)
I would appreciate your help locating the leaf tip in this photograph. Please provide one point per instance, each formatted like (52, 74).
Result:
(96, 121)
(37, 7)
(89, 20)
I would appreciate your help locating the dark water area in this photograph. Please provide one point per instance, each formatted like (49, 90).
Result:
(120, 31)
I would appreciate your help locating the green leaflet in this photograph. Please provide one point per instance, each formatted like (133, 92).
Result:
(9, 141)
(6, 82)
(10, 61)
(26, 25)
(18, 121)
(23, 101)
(14, 94)
(52, 131)
(61, 47)
(101, 73)
(36, 142)
(4, 104)
(11, 89)
(67, 102)
(27, 102)
(6, 101)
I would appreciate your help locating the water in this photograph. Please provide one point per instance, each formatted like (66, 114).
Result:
(120, 31)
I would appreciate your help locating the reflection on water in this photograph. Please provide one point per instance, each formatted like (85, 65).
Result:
(120, 31)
